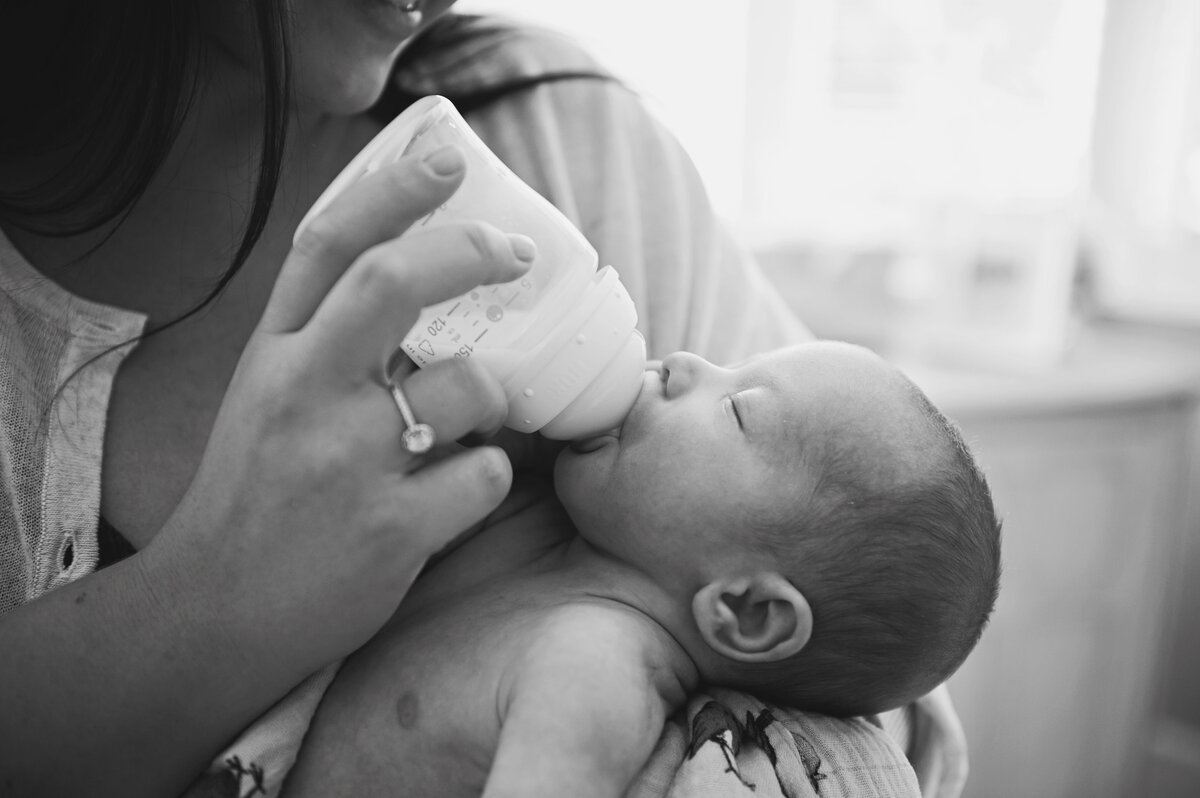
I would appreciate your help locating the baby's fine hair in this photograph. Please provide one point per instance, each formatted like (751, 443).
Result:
(901, 579)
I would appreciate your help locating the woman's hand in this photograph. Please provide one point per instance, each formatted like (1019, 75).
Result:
(302, 529)
(305, 508)
(939, 746)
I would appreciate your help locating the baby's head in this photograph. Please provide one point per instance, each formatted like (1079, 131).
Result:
(827, 528)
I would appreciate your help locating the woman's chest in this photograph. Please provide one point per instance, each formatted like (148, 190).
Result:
(164, 260)
(167, 393)
(163, 404)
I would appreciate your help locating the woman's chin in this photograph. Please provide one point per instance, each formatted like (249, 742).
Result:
(347, 98)
(343, 84)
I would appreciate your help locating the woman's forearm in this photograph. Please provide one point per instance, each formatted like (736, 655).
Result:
(126, 683)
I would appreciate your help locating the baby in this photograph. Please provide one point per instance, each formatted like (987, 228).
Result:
(805, 526)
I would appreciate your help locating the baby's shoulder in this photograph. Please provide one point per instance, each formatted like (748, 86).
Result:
(585, 618)
(598, 637)
(585, 651)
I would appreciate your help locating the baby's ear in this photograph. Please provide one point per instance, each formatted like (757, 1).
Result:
(759, 618)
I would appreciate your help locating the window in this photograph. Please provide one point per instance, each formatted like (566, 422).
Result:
(1147, 160)
(687, 58)
(972, 147)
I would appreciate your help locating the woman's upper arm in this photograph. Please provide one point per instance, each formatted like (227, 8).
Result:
(593, 149)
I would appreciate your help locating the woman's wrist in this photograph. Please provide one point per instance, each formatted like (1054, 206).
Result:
(228, 595)
(127, 675)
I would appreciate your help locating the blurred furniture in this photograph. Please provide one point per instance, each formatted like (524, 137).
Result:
(1090, 658)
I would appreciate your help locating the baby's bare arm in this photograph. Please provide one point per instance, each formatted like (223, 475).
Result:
(584, 713)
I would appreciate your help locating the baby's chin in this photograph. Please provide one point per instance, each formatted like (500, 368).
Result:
(580, 471)
(577, 460)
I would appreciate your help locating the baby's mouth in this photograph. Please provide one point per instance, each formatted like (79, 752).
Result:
(595, 443)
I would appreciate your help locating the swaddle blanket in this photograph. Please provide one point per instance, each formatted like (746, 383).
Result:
(257, 763)
(726, 744)
(729, 744)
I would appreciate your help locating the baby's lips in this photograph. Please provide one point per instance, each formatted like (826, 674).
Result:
(594, 443)
(597, 442)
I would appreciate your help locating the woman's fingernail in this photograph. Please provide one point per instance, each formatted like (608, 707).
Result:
(444, 161)
(523, 247)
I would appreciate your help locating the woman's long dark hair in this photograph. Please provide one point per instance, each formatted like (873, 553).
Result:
(103, 88)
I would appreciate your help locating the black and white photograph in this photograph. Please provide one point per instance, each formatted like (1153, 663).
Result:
(600, 399)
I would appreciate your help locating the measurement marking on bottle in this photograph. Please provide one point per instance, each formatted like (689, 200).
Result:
(451, 311)
(512, 299)
(485, 332)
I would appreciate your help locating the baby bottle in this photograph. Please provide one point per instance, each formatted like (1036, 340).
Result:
(562, 338)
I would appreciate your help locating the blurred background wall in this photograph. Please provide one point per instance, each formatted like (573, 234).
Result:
(1004, 197)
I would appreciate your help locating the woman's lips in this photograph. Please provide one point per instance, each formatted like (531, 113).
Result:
(395, 22)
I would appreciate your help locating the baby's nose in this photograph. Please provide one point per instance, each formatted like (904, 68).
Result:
(681, 370)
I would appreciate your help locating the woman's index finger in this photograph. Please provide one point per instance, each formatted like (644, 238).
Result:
(377, 208)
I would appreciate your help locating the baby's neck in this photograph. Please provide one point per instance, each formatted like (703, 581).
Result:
(588, 572)
(531, 544)
(573, 571)
(601, 574)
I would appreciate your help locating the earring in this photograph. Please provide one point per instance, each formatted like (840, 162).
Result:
(412, 10)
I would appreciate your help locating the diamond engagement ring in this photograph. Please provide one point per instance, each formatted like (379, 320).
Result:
(417, 438)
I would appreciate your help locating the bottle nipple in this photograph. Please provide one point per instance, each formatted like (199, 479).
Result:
(607, 399)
